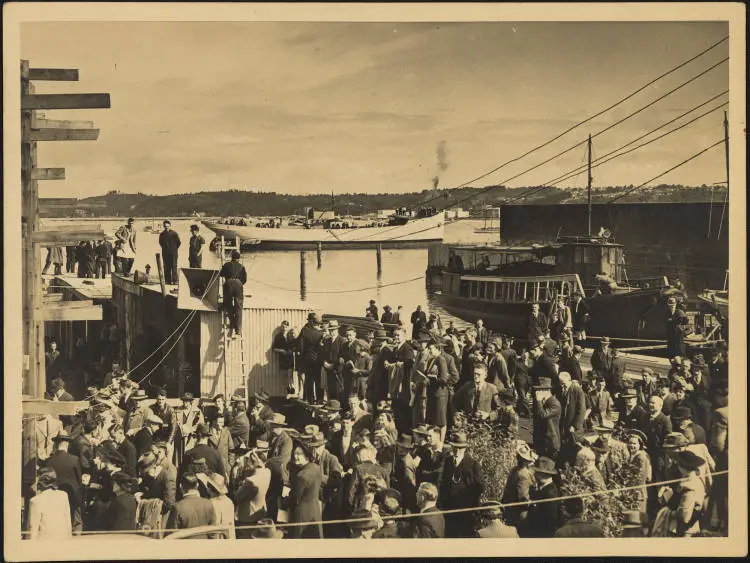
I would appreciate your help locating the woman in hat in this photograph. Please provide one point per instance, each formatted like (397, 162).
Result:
(641, 464)
(49, 511)
(266, 530)
(691, 494)
(518, 486)
(303, 501)
(217, 491)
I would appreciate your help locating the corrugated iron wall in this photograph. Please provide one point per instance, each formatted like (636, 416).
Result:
(262, 368)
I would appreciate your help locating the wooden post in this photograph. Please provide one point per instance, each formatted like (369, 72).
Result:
(379, 256)
(161, 275)
(32, 289)
(302, 277)
(320, 255)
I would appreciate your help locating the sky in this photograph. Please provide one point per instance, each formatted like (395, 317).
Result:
(310, 107)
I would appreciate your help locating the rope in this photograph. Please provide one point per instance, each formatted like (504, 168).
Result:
(416, 515)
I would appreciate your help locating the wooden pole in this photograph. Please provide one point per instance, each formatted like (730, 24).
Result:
(32, 290)
(162, 282)
(379, 258)
(726, 156)
(320, 255)
(302, 277)
(589, 189)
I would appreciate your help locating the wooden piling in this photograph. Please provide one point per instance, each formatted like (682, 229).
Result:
(302, 277)
(320, 255)
(379, 257)
(162, 282)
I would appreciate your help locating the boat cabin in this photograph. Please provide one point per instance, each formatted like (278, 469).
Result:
(511, 290)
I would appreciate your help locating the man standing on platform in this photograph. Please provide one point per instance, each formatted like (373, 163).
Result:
(125, 235)
(195, 254)
(170, 242)
(310, 348)
(235, 278)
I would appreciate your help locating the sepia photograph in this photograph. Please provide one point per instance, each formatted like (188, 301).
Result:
(401, 272)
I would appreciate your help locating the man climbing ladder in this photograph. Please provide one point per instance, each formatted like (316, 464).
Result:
(235, 277)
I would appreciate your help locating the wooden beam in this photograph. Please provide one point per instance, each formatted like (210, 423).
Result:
(64, 134)
(70, 311)
(33, 406)
(40, 123)
(52, 298)
(65, 74)
(65, 101)
(65, 238)
(48, 174)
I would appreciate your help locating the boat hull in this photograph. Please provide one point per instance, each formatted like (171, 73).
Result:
(639, 314)
(417, 233)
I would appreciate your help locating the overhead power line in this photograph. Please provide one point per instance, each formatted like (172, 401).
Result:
(605, 110)
(696, 155)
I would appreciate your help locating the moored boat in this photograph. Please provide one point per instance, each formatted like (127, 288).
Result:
(398, 231)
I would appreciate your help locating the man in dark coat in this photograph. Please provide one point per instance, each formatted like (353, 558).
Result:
(572, 417)
(544, 365)
(571, 362)
(546, 421)
(310, 342)
(418, 322)
(430, 522)
(159, 482)
(634, 416)
(461, 485)
(121, 511)
(69, 472)
(170, 242)
(192, 511)
(235, 277)
(657, 428)
(544, 517)
(205, 451)
(126, 449)
(279, 456)
(601, 359)
(575, 526)
(536, 325)
(616, 380)
(580, 313)
(331, 357)
(239, 427)
(196, 244)
(677, 327)
(144, 438)
(682, 422)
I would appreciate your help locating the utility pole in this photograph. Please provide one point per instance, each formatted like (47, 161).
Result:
(726, 157)
(33, 130)
(589, 187)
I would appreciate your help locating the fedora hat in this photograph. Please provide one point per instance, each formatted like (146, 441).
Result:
(601, 445)
(386, 307)
(313, 317)
(333, 323)
(317, 439)
(217, 482)
(405, 441)
(362, 520)
(62, 436)
(267, 531)
(688, 459)
(380, 334)
(332, 405)
(153, 419)
(674, 441)
(262, 396)
(543, 383)
(350, 328)
(458, 440)
(603, 429)
(422, 430)
(277, 419)
(139, 395)
(262, 446)
(629, 392)
(203, 430)
(524, 451)
(312, 429)
(682, 413)
(605, 340)
(545, 465)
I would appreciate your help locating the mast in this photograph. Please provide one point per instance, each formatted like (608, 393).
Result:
(332, 202)
(726, 156)
(589, 187)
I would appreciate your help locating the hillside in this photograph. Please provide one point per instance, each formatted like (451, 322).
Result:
(238, 203)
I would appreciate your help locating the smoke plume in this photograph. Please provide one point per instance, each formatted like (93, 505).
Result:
(442, 163)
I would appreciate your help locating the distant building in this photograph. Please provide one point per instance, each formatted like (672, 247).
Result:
(385, 213)
(456, 213)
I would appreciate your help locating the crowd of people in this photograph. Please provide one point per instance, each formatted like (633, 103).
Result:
(386, 450)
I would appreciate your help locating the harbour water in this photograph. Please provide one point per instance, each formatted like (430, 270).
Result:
(343, 285)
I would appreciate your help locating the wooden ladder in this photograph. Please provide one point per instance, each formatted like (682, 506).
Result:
(223, 249)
